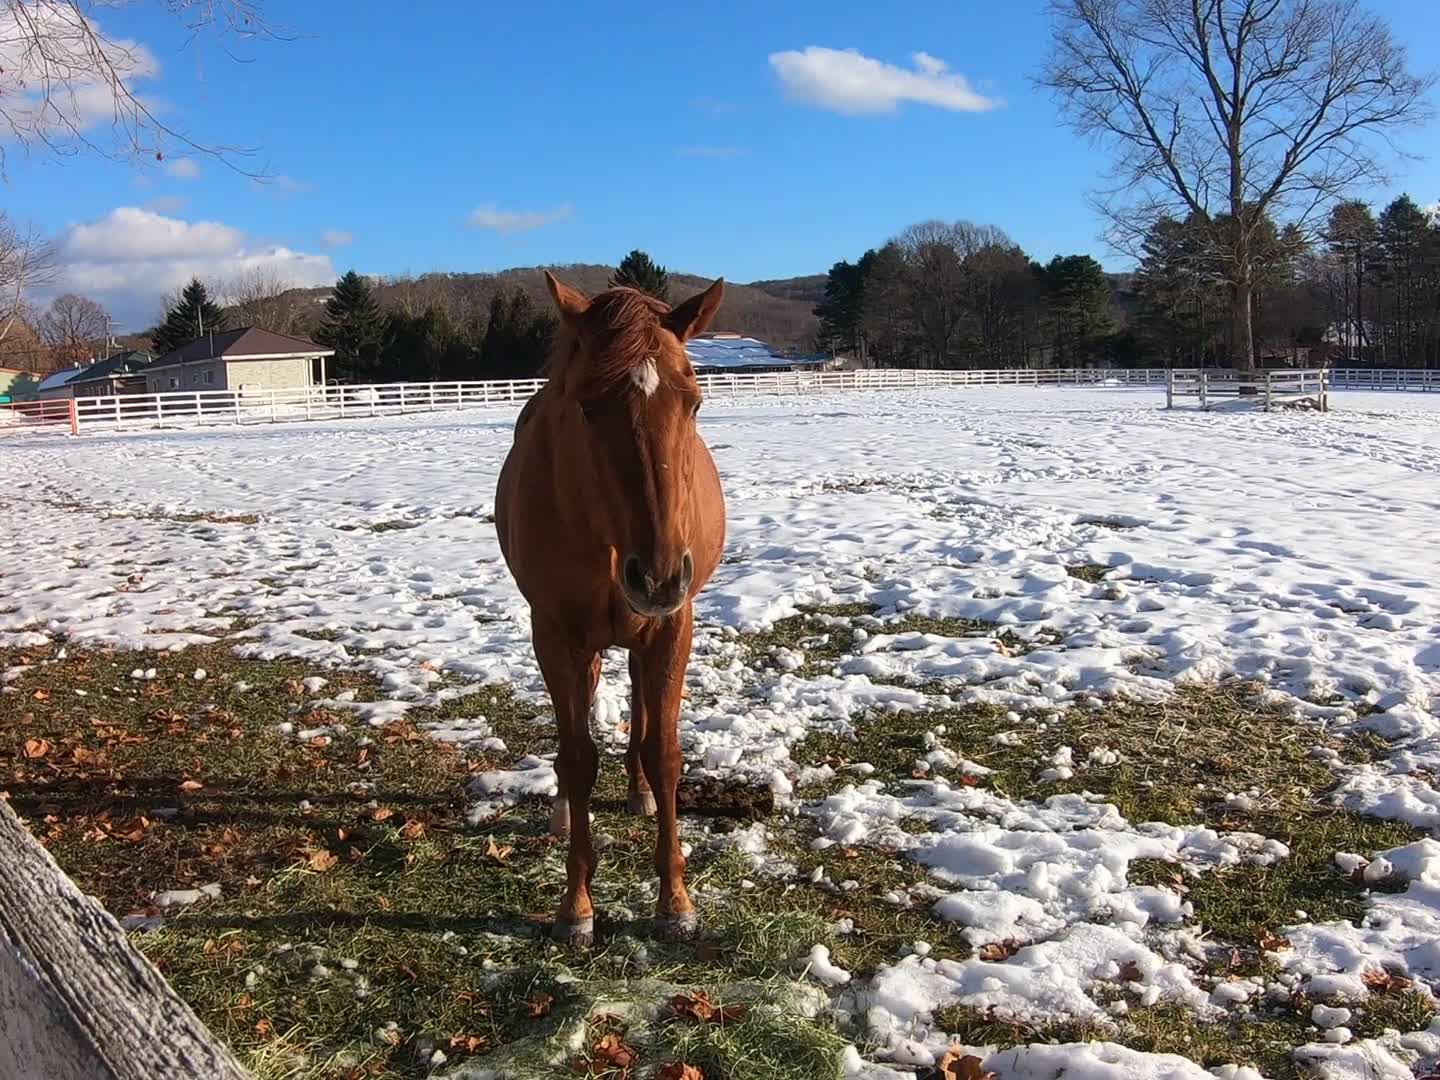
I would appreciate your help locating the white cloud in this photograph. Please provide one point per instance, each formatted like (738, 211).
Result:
(76, 99)
(491, 216)
(847, 81)
(183, 168)
(130, 257)
(712, 151)
(333, 238)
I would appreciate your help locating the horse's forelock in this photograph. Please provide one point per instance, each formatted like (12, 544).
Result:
(622, 330)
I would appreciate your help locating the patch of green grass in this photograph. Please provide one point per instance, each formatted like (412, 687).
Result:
(773, 1040)
(351, 851)
(1094, 573)
(1238, 902)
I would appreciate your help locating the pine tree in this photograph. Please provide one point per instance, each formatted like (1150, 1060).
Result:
(517, 337)
(638, 271)
(1079, 306)
(354, 328)
(841, 311)
(194, 314)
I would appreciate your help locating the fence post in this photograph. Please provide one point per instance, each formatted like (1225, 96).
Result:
(117, 414)
(1204, 385)
(1170, 388)
(74, 417)
(1266, 376)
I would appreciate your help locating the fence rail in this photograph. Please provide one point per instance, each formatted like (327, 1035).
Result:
(234, 407)
(1277, 386)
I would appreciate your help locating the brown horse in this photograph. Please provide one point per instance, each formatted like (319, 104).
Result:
(611, 519)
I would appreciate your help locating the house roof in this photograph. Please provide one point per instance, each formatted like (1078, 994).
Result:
(122, 363)
(57, 379)
(246, 343)
(736, 352)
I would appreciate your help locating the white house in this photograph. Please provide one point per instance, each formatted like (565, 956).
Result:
(245, 359)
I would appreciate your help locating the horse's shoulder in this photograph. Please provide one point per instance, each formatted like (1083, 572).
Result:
(527, 412)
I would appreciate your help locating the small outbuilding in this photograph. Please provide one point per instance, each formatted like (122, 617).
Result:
(246, 359)
(119, 373)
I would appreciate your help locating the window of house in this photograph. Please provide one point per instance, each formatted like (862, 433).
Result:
(209, 376)
(174, 383)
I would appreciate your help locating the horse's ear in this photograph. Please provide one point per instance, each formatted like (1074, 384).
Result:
(694, 315)
(570, 303)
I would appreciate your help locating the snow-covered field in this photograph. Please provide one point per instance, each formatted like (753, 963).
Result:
(1292, 549)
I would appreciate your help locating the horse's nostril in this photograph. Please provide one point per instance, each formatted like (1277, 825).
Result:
(634, 575)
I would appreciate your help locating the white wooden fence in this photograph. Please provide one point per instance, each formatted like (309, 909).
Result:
(234, 407)
(1278, 386)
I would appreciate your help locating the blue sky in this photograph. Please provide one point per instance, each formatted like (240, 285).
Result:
(477, 136)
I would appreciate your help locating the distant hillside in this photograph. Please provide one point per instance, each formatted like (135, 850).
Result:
(766, 313)
(810, 289)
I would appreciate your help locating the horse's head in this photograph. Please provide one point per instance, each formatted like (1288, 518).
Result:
(631, 399)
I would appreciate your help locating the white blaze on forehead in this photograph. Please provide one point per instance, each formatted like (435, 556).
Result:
(646, 376)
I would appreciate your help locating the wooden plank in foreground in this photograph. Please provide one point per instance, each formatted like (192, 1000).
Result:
(77, 1000)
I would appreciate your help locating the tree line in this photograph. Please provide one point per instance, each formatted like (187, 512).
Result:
(957, 294)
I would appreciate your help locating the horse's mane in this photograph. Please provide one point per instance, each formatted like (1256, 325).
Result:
(623, 329)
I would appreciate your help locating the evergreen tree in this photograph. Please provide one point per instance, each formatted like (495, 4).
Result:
(1406, 239)
(354, 328)
(638, 271)
(1351, 234)
(842, 309)
(194, 314)
(517, 337)
(1079, 306)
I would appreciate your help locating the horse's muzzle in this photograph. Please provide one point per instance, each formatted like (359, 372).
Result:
(651, 597)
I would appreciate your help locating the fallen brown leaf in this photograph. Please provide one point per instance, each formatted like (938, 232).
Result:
(264, 1028)
(1130, 971)
(957, 1066)
(678, 1070)
(413, 829)
(540, 1004)
(1272, 942)
(381, 813)
(321, 861)
(996, 951)
(41, 695)
(37, 748)
(191, 785)
(498, 852)
(467, 1043)
(1385, 981)
(696, 1005)
(612, 1050)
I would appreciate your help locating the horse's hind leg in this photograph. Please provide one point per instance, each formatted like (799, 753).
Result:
(662, 681)
(571, 675)
(639, 800)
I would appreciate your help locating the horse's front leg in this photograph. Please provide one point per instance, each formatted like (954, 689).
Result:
(639, 799)
(571, 674)
(661, 670)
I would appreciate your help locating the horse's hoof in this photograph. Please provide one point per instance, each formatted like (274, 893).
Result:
(640, 804)
(680, 926)
(577, 933)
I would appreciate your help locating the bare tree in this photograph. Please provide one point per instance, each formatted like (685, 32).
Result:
(1231, 111)
(260, 297)
(74, 327)
(27, 261)
(64, 78)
